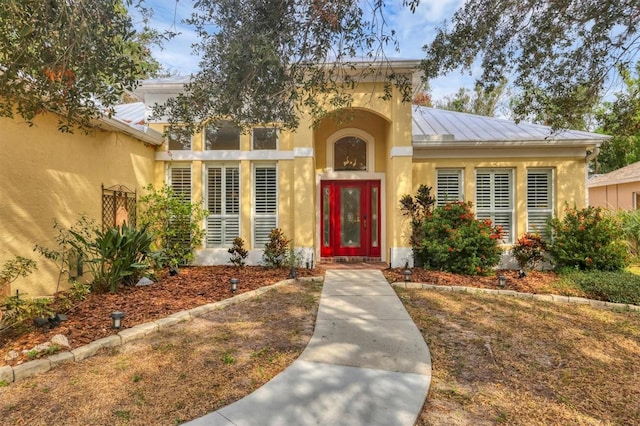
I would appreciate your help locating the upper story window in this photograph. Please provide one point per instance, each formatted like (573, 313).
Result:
(222, 135)
(350, 153)
(177, 141)
(265, 138)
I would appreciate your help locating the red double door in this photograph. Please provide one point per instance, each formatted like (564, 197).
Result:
(350, 218)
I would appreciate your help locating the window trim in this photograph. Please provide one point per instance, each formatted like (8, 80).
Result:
(352, 132)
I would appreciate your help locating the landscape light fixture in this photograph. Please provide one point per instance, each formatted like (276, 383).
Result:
(502, 281)
(407, 275)
(116, 319)
(234, 284)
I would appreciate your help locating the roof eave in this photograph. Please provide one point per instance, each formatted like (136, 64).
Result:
(149, 135)
(449, 142)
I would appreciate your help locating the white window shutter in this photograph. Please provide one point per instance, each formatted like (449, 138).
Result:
(539, 199)
(494, 199)
(181, 182)
(448, 186)
(223, 203)
(265, 204)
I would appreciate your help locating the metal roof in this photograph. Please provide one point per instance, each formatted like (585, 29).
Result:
(626, 174)
(437, 126)
(131, 119)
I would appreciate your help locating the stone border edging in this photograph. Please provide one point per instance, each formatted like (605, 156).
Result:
(543, 297)
(11, 374)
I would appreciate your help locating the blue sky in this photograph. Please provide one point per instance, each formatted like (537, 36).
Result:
(413, 31)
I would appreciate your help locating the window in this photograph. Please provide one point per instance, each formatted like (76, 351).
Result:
(178, 141)
(448, 186)
(180, 181)
(350, 153)
(222, 135)
(494, 199)
(265, 138)
(223, 203)
(539, 199)
(265, 204)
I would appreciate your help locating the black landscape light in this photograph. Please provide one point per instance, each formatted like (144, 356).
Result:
(407, 275)
(116, 319)
(234, 284)
(502, 281)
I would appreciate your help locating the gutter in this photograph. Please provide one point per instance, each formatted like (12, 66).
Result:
(148, 135)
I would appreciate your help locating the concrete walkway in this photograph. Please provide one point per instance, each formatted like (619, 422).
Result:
(366, 364)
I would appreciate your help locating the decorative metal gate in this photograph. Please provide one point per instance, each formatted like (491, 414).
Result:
(118, 206)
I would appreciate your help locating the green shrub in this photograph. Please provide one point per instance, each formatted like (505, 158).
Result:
(610, 286)
(65, 258)
(275, 251)
(17, 309)
(15, 268)
(455, 241)
(417, 209)
(588, 239)
(175, 223)
(116, 256)
(238, 252)
(630, 223)
(529, 250)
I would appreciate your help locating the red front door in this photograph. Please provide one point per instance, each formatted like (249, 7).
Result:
(350, 222)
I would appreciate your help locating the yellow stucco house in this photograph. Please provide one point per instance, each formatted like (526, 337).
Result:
(48, 175)
(333, 188)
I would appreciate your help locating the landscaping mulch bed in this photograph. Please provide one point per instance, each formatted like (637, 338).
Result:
(534, 281)
(90, 319)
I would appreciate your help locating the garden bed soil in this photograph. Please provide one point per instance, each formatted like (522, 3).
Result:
(90, 319)
(534, 282)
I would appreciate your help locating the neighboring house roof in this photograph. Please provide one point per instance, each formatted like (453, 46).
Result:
(131, 119)
(441, 128)
(630, 173)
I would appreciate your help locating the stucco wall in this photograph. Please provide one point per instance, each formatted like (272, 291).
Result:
(569, 183)
(49, 175)
(616, 197)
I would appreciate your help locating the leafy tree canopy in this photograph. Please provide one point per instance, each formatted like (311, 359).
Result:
(560, 53)
(621, 119)
(72, 57)
(264, 60)
(480, 101)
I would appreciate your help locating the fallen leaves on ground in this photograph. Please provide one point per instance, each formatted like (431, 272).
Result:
(533, 282)
(90, 319)
(175, 375)
(506, 360)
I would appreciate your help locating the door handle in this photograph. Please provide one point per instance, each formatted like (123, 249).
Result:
(365, 221)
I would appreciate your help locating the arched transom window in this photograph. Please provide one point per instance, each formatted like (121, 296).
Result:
(350, 153)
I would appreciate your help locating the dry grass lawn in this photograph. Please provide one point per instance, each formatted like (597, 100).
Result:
(503, 360)
(176, 375)
(496, 360)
